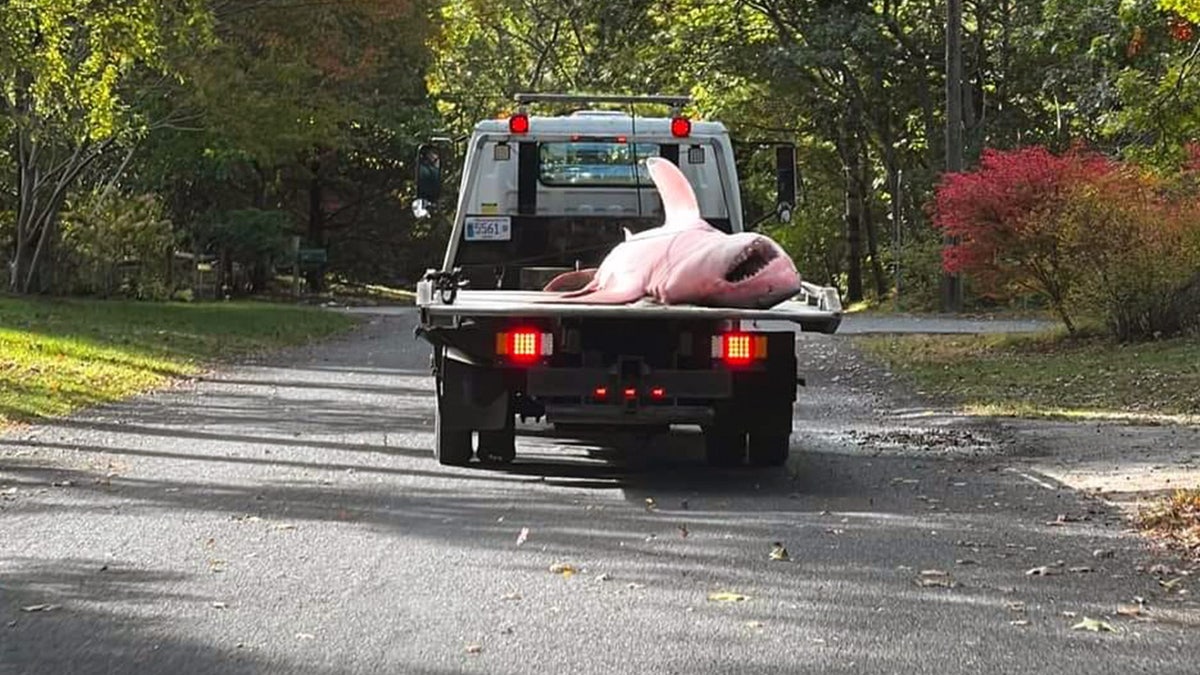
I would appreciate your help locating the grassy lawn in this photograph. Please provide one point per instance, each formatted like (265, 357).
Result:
(60, 355)
(1049, 375)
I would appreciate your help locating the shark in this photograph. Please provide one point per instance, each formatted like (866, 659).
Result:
(684, 261)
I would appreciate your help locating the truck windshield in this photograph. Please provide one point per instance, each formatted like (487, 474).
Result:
(598, 163)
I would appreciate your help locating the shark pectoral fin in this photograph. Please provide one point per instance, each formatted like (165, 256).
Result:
(571, 281)
(591, 294)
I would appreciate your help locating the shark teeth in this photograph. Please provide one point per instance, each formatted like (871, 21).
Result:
(752, 260)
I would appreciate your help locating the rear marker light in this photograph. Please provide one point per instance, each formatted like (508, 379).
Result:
(631, 393)
(658, 393)
(600, 393)
(519, 123)
(739, 349)
(524, 345)
(681, 127)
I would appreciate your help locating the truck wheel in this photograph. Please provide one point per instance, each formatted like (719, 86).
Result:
(451, 447)
(769, 448)
(498, 446)
(724, 445)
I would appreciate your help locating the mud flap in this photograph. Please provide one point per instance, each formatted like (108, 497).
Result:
(471, 397)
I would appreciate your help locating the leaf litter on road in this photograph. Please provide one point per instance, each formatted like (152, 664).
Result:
(778, 552)
(1094, 625)
(727, 596)
(522, 536)
(566, 570)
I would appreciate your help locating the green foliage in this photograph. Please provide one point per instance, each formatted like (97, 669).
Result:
(114, 243)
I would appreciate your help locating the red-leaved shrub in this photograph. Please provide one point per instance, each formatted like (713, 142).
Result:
(1094, 236)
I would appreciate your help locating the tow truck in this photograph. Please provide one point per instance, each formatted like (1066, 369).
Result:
(541, 195)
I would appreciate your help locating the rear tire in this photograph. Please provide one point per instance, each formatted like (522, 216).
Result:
(451, 447)
(497, 447)
(769, 448)
(724, 445)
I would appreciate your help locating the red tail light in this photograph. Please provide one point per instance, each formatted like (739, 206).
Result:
(519, 123)
(524, 345)
(681, 127)
(658, 393)
(631, 393)
(739, 349)
(600, 393)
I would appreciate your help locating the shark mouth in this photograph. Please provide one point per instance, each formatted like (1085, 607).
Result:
(752, 260)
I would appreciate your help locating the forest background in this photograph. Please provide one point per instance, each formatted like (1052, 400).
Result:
(142, 141)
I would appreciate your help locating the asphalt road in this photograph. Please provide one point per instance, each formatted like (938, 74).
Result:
(287, 517)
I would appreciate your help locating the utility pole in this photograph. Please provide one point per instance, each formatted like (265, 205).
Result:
(952, 291)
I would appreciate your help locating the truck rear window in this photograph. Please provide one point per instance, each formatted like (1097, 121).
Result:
(598, 163)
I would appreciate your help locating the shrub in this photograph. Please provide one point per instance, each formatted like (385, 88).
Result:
(114, 243)
(1093, 236)
(1008, 218)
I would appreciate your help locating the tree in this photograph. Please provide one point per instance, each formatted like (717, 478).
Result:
(63, 65)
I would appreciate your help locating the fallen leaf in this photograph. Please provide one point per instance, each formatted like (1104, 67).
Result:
(1043, 571)
(522, 536)
(1016, 606)
(1130, 610)
(650, 505)
(63, 483)
(1080, 570)
(778, 552)
(1170, 584)
(605, 576)
(565, 569)
(285, 526)
(39, 608)
(754, 624)
(1019, 622)
(1094, 625)
(934, 573)
(1070, 615)
(966, 561)
(305, 636)
(727, 596)
(474, 648)
(683, 531)
(220, 605)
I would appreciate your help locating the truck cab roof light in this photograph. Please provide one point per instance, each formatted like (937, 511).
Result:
(519, 123)
(681, 127)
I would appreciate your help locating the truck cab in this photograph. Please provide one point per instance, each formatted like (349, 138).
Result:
(544, 195)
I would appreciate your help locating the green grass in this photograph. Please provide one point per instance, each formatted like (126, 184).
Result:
(60, 355)
(1050, 375)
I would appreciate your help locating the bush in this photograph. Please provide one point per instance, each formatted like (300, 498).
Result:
(115, 244)
(1093, 236)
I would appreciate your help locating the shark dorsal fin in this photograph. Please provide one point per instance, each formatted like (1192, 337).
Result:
(678, 198)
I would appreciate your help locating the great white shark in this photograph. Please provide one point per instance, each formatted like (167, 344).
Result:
(685, 260)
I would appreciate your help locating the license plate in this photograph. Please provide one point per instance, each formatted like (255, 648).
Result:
(487, 228)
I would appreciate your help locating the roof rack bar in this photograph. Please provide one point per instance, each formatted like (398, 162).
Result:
(677, 101)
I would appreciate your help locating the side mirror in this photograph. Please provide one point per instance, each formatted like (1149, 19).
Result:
(429, 174)
(785, 182)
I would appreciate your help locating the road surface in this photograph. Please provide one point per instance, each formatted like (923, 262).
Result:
(287, 517)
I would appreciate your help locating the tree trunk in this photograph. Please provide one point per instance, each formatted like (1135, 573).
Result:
(316, 227)
(869, 224)
(853, 217)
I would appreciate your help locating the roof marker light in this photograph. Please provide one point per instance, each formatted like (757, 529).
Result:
(681, 127)
(519, 123)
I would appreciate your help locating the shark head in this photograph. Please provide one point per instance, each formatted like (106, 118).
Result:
(712, 268)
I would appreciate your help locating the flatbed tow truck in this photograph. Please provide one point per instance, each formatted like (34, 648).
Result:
(543, 195)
